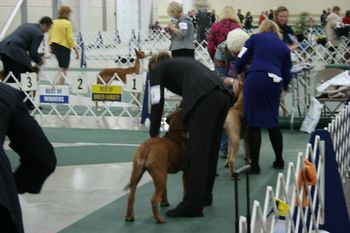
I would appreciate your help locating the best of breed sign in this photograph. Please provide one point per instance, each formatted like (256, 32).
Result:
(107, 93)
(54, 94)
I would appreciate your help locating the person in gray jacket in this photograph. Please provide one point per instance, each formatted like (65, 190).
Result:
(20, 48)
(181, 32)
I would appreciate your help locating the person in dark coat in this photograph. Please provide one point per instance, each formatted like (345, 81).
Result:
(267, 75)
(248, 22)
(281, 19)
(20, 48)
(205, 105)
(37, 158)
(203, 24)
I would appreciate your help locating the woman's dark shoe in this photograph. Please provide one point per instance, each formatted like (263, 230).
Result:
(182, 211)
(208, 201)
(278, 164)
(255, 170)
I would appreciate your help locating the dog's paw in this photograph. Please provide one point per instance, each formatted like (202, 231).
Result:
(129, 219)
(161, 220)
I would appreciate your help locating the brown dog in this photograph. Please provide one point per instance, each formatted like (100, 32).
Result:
(159, 156)
(235, 131)
(105, 76)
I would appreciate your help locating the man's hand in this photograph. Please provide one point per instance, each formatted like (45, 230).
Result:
(236, 84)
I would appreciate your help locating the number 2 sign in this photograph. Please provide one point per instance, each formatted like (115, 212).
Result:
(79, 85)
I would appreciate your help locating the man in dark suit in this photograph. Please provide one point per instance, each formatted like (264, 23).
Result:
(21, 47)
(37, 157)
(205, 104)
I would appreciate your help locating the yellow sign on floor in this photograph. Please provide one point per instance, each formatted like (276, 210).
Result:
(107, 92)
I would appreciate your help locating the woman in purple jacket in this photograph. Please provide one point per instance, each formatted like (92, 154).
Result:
(268, 74)
(218, 33)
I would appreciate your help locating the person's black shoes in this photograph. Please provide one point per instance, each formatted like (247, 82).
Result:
(278, 164)
(183, 211)
(255, 170)
(208, 201)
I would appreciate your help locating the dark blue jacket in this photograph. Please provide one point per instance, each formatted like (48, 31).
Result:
(22, 44)
(185, 77)
(267, 53)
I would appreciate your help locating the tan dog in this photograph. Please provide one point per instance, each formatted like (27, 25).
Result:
(235, 131)
(159, 156)
(105, 76)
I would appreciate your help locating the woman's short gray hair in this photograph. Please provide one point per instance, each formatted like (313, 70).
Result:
(236, 40)
(175, 9)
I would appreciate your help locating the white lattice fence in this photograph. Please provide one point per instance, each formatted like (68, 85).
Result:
(339, 130)
(308, 219)
(287, 190)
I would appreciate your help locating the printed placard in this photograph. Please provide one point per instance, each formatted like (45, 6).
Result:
(29, 81)
(106, 93)
(134, 83)
(54, 94)
(79, 85)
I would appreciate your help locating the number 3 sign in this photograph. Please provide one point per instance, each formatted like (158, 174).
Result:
(29, 81)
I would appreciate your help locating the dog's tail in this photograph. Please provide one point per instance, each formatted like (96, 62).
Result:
(138, 168)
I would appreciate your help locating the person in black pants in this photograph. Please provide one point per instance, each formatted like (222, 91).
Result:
(37, 157)
(205, 105)
(21, 47)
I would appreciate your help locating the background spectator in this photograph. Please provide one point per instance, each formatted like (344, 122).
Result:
(203, 24)
(323, 18)
(156, 27)
(270, 16)
(262, 17)
(248, 22)
(240, 16)
(182, 33)
(346, 18)
(212, 17)
(301, 26)
(61, 41)
(218, 33)
(333, 19)
(193, 17)
(281, 18)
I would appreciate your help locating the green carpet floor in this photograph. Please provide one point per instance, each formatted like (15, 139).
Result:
(110, 218)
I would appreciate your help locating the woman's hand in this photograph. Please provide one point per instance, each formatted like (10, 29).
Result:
(236, 84)
(77, 55)
(292, 47)
(171, 27)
